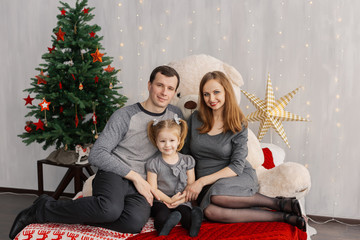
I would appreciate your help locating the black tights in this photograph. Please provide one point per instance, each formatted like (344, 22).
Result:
(161, 212)
(255, 208)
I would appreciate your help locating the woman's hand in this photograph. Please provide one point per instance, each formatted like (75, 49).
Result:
(192, 190)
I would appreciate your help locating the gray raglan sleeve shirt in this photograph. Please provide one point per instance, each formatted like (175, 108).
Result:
(101, 155)
(123, 145)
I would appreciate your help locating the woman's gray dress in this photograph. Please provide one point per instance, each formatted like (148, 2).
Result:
(213, 153)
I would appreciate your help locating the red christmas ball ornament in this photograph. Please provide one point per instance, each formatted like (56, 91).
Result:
(27, 127)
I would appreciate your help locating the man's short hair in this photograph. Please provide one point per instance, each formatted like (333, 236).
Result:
(167, 71)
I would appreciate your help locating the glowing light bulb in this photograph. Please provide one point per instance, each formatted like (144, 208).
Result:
(140, 28)
(121, 58)
(121, 44)
(120, 4)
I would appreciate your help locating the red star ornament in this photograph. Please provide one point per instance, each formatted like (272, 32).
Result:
(39, 125)
(97, 56)
(60, 85)
(86, 10)
(60, 35)
(28, 100)
(40, 79)
(51, 49)
(109, 69)
(92, 34)
(96, 79)
(44, 105)
(63, 12)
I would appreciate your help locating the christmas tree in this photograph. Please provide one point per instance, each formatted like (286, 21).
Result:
(75, 87)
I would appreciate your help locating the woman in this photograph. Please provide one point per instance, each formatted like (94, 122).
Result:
(227, 187)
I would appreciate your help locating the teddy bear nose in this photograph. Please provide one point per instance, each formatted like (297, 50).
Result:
(190, 105)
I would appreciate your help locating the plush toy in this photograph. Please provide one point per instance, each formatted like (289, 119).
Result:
(287, 179)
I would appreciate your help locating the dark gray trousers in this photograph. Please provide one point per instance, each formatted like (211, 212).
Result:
(115, 205)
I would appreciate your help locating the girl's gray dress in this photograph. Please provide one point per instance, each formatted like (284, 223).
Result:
(171, 178)
(215, 152)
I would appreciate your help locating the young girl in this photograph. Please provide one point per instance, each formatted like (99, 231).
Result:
(169, 173)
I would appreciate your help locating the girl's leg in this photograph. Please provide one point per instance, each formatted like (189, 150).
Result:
(191, 219)
(185, 216)
(164, 219)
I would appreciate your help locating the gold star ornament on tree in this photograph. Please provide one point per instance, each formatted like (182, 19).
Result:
(271, 113)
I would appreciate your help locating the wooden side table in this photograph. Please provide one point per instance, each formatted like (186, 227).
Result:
(74, 172)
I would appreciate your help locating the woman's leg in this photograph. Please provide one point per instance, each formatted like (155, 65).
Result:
(232, 215)
(257, 200)
(230, 209)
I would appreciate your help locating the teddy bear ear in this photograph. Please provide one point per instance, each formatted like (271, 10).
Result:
(234, 75)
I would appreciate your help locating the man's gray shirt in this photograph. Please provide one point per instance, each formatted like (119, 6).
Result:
(123, 145)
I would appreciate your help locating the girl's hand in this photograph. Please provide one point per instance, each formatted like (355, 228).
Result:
(177, 199)
(192, 191)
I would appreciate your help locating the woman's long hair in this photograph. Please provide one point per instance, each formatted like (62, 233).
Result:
(233, 118)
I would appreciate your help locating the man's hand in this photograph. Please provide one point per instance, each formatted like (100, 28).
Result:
(142, 186)
(192, 190)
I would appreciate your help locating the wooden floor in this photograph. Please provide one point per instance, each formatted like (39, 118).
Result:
(12, 204)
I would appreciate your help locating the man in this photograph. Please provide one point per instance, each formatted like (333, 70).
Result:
(122, 197)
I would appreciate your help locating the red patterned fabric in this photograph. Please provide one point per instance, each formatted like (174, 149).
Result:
(268, 159)
(57, 231)
(238, 231)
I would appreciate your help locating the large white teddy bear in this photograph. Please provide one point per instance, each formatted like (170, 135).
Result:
(288, 179)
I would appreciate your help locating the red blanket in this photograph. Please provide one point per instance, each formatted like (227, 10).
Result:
(241, 231)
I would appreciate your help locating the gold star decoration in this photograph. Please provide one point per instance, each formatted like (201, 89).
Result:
(271, 113)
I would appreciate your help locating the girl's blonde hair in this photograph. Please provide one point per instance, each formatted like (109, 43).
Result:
(154, 127)
(233, 117)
